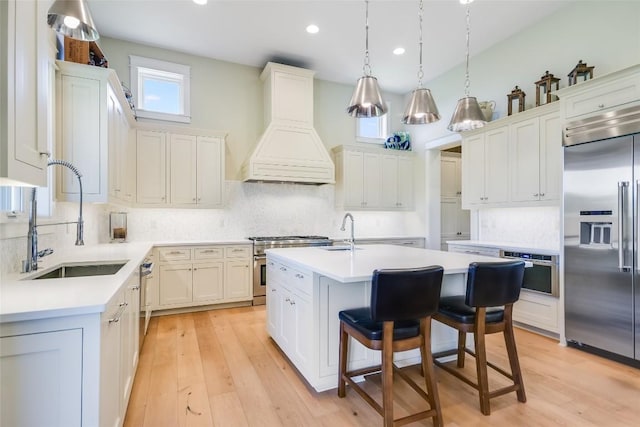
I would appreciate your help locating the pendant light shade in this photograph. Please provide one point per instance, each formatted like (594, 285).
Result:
(421, 108)
(367, 100)
(72, 19)
(467, 115)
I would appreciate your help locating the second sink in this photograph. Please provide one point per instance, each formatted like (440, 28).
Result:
(80, 270)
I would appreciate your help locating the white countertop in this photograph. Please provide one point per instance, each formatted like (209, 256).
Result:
(358, 266)
(508, 246)
(38, 299)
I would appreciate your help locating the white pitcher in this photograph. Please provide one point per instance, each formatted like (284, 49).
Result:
(487, 108)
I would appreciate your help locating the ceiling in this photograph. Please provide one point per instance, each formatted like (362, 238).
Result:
(255, 32)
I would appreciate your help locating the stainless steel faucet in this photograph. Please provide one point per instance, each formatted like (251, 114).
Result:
(352, 241)
(31, 263)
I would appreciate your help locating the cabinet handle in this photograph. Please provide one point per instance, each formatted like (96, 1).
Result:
(292, 302)
(536, 195)
(273, 290)
(194, 199)
(541, 194)
(209, 251)
(299, 276)
(195, 269)
(175, 253)
(118, 315)
(199, 199)
(135, 288)
(238, 250)
(287, 300)
(161, 198)
(283, 269)
(270, 263)
(45, 153)
(600, 105)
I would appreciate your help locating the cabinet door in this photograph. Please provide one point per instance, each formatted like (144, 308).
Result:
(389, 181)
(287, 332)
(175, 284)
(450, 177)
(372, 180)
(24, 124)
(273, 308)
(207, 281)
(210, 169)
(151, 167)
(405, 183)
(302, 312)
(473, 160)
(354, 179)
(114, 135)
(550, 157)
(110, 362)
(496, 165)
(182, 171)
(237, 281)
(448, 217)
(82, 138)
(41, 379)
(129, 340)
(525, 160)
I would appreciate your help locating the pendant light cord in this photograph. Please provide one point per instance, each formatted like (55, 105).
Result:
(467, 83)
(366, 68)
(420, 72)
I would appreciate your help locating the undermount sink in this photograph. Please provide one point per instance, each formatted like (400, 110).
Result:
(339, 248)
(80, 270)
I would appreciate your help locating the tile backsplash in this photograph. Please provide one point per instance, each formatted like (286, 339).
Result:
(251, 209)
(537, 226)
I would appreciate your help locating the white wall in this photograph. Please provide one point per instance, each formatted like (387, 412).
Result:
(604, 34)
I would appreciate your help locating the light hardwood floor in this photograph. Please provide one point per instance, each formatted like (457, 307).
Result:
(220, 368)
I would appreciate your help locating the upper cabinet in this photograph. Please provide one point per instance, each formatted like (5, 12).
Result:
(27, 52)
(451, 175)
(94, 119)
(515, 161)
(180, 167)
(371, 178)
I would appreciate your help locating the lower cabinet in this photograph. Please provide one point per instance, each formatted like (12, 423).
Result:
(192, 276)
(537, 310)
(71, 371)
(41, 379)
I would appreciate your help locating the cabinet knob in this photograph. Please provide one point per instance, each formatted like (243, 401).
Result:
(292, 302)
(273, 290)
(541, 194)
(283, 269)
(600, 105)
(194, 199)
(287, 300)
(536, 195)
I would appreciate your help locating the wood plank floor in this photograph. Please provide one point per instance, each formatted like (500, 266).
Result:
(220, 368)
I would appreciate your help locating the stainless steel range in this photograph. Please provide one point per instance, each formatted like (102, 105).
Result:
(260, 244)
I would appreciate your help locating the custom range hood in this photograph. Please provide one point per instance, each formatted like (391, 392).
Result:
(290, 149)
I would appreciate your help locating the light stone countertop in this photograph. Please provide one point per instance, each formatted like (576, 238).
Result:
(45, 298)
(357, 266)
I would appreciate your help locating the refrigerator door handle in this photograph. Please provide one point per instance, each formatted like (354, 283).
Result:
(637, 216)
(622, 187)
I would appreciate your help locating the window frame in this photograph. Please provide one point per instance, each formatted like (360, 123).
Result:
(383, 128)
(140, 66)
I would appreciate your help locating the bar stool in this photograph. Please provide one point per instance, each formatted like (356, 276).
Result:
(489, 287)
(398, 319)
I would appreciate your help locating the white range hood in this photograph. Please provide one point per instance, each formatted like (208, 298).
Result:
(290, 149)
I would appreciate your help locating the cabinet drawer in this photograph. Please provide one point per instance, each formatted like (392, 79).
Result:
(537, 310)
(301, 280)
(208, 253)
(174, 254)
(603, 97)
(237, 252)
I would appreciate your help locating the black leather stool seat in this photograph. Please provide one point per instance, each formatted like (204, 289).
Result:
(455, 308)
(360, 319)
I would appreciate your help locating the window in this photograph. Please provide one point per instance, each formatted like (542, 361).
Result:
(161, 89)
(373, 129)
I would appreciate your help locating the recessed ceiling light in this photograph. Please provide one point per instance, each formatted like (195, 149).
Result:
(200, 2)
(398, 51)
(312, 29)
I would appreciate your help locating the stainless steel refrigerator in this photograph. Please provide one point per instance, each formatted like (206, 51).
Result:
(601, 235)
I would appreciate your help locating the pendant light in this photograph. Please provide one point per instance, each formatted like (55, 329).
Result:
(366, 100)
(421, 108)
(467, 114)
(72, 19)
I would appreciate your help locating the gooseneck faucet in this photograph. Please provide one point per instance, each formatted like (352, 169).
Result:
(31, 263)
(352, 241)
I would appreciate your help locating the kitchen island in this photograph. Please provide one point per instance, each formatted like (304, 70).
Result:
(307, 287)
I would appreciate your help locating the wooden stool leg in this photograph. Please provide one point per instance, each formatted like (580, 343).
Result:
(429, 371)
(387, 373)
(342, 367)
(481, 361)
(462, 344)
(512, 352)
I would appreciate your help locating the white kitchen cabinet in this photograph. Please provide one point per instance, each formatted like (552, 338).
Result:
(373, 178)
(450, 175)
(41, 379)
(129, 339)
(454, 221)
(601, 94)
(536, 159)
(27, 52)
(537, 310)
(413, 242)
(92, 113)
(122, 155)
(485, 168)
(111, 361)
(192, 276)
(196, 171)
(151, 161)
